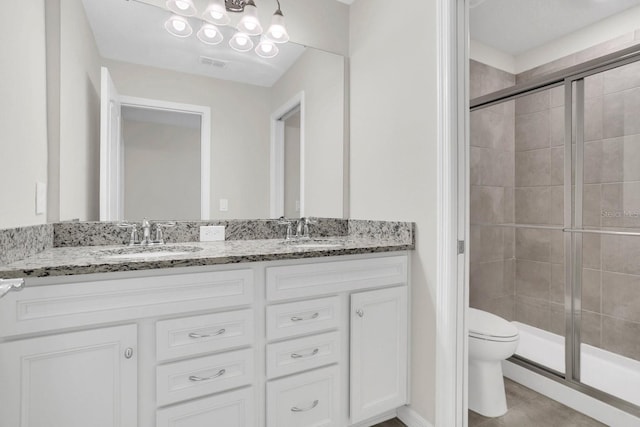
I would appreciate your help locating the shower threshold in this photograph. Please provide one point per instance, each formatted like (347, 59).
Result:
(609, 372)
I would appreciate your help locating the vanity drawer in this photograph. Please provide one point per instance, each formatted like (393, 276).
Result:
(304, 317)
(304, 280)
(301, 354)
(203, 334)
(305, 400)
(193, 378)
(232, 409)
(78, 304)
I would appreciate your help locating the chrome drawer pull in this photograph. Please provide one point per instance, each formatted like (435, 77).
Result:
(196, 335)
(360, 313)
(220, 373)
(298, 319)
(8, 285)
(300, 356)
(313, 405)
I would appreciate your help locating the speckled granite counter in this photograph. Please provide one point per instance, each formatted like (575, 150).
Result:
(363, 237)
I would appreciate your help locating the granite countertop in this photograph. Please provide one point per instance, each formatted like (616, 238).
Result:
(62, 261)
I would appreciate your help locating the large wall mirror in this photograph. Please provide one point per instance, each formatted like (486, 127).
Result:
(202, 131)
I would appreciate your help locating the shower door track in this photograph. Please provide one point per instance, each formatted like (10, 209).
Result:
(573, 227)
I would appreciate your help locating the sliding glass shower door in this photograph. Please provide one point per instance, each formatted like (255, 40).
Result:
(555, 223)
(605, 232)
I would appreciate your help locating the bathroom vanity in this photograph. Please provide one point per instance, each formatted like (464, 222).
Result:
(299, 338)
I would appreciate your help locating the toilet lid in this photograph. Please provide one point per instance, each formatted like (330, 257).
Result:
(489, 326)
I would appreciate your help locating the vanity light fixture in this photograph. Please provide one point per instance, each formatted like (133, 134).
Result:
(241, 42)
(217, 14)
(182, 7)
(266, 48)
(178, 26)
(249, 23)
(277, 32)
(209, 34)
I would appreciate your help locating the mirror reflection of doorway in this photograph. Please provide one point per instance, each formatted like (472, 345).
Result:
(287, 159)
(161, 164)
(152, 153)
(292, 164)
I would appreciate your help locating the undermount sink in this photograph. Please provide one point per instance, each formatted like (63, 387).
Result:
(315, 243)
(147, 252)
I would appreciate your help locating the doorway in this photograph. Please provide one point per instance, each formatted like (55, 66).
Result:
(149, 181)
(287, 159)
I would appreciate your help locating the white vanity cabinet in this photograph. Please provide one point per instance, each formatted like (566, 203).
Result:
(263, 344)
(378, 375)
(365, 302)
(75, 379)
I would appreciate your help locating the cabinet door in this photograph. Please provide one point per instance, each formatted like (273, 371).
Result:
(378, 374)
(77, 379)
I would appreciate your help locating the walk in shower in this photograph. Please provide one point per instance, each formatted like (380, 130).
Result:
(555, 217)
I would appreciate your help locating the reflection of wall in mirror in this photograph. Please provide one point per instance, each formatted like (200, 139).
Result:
(324, 127)
(239, 130)
(162, 171)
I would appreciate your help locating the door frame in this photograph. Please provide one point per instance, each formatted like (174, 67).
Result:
(276, 166)
(452, 285)
(205, 147)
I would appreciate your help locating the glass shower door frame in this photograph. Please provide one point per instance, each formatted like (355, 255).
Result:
(573, 228)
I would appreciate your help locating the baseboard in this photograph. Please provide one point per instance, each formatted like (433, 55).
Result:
(411, 418)
(568, 396)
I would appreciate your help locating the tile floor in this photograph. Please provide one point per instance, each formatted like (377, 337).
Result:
(391, 423)
(530, 409)
(526, 409)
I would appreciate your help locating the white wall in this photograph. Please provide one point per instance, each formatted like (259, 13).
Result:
(321, 76)
(79, 115)
(162, 171)
(239, 131)
(393, 151)
(489, 55)
(23, 115)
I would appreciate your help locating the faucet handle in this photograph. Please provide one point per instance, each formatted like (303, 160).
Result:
(289, 223)
(133, 238)
(159, 233)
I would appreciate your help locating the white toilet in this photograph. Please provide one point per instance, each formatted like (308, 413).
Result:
(492, 339)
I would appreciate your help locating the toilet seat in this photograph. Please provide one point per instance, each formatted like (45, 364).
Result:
(487, 326)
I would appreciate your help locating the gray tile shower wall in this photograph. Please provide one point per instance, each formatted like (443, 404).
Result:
(539, 200)
(492, 275)
(520, 274)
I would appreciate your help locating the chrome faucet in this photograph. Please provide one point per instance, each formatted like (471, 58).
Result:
(302, 230)
(302, 227)
(146, 232)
